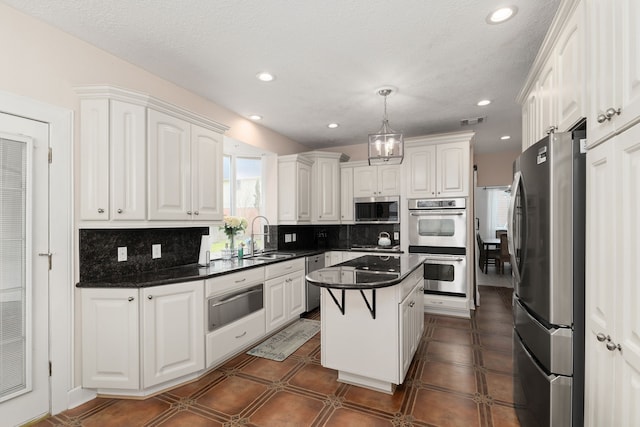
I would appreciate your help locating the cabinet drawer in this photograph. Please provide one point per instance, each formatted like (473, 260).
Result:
(408, 284)
(231, 338)
(445, 302)
(229, 282)
(281, 268)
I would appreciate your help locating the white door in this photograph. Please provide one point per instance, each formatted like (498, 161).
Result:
(24, 276)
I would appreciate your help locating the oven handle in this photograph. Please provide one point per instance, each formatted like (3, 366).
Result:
(235, 297)
(423, 213)
(445, 259)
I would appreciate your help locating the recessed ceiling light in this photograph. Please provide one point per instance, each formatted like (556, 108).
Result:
(501, 15)
(333, 125)
(255, 117)
(264, 76)
(505, 137)
(484, 102)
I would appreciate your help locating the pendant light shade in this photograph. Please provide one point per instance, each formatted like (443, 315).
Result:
(386, 147)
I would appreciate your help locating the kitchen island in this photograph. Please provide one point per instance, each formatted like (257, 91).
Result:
(372, 318)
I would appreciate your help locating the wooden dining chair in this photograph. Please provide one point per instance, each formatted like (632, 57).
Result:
(504, 252)
(487, 257)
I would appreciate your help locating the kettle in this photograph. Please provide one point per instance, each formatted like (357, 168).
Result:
(384, 239)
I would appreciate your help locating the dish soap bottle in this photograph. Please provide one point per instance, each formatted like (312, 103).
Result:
(241, 251)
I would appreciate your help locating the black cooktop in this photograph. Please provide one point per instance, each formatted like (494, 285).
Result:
(381, 263)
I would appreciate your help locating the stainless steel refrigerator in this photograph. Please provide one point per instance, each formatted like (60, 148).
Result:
(546, 243)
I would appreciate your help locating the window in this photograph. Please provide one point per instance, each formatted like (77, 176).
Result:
(242, 196)
(499, 207)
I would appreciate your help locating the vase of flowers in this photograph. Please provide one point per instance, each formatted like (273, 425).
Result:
(232, 225)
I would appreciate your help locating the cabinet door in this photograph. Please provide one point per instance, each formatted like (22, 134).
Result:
(600, 295)
(570, 65)
(603, 82)
(406, 334)
(287, 190)
(206, 174)
(94, 159)
(172, 331)
(110, 346)
(304, 192)
(128, 163)
(389, 180)
(365, 181)
(547, 99)
(169, 148)
(296, 294)
(627, 332)
(346, 196)
(630, 63)
(453, 170)
(275, 303)
(421, 171)
(533, 119)
(327, 190)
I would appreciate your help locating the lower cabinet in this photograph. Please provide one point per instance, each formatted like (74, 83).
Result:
(284, 292)
(137, 338)
(411, 325)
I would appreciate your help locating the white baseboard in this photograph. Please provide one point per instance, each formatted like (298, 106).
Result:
(79, 395)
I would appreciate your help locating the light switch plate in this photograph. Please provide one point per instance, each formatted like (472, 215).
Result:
(156, 251)
(122, 253)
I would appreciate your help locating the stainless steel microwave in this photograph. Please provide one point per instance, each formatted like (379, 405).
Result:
(377, 210)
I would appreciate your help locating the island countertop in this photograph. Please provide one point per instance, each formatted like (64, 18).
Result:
(367, 272)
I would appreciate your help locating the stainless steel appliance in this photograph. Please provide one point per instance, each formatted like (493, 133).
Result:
(313, 263)
(230, 307)
(546, 242)
(445, 275)
(437, 223)
(377, 210)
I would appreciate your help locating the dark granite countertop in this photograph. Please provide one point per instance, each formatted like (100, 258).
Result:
(188, 273)
(367, 272)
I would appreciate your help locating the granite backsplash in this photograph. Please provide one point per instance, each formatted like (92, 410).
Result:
(98, 249)
(333, 236)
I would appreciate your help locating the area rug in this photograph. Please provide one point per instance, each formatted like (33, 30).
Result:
(288, 340)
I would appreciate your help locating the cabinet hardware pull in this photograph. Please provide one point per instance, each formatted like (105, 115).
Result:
(601, 337)
(611, 346)
(612, 112)
(100, 210)
(189, 213)
(119, 211)
(196, 213)
(412, 303)
(241, 280)
(241, 335)
(601, 118)
(150, 297)
(131, 299)
(551, 129)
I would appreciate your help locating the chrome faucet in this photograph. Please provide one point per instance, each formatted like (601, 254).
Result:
(265, 235)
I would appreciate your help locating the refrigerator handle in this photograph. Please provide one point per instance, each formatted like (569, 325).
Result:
(477, 224)
(515, 188)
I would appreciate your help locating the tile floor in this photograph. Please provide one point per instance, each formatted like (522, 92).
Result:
(461, 376)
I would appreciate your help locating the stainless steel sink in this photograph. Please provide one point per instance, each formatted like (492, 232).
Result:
(272, 256)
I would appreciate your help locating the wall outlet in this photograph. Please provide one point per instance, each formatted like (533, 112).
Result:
(287, 238)
(293, 237)
(396, 235)
(156, 251)
(122, 253)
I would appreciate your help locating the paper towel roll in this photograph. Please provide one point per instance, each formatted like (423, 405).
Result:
(205, 255)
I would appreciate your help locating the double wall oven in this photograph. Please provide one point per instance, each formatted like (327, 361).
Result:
(438, 229)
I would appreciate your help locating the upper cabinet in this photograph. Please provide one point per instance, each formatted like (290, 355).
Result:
(185, 170)
(438, 166)
(553, 96)
(144, 159)
(614, 73)
(112, 160)
(346, 194)
(294, 189)
(374, 181)
(325, 186)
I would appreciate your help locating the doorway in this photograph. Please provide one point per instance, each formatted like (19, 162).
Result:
(24, 284)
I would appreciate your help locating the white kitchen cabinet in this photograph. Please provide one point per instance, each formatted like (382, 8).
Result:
(185, 170)
(172, 331)
(112, 160)
(372, 353)
(346, 195)
(284, 291)
(325, 186)
(374, 181)
(614, 74)
(294, 189)
(553, 97)
(612, 274)
(110, 338)
(437, 170)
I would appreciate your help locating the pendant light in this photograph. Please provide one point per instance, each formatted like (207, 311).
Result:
(386, 147)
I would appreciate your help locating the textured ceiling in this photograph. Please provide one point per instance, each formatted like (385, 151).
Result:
(330, 57)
